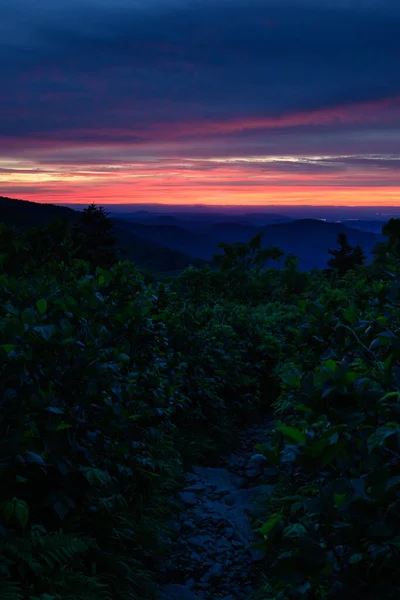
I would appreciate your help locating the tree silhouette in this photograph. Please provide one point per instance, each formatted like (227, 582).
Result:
(247, 256)
(346, 258)
(359, 256)
(94, 238)
(391, 230)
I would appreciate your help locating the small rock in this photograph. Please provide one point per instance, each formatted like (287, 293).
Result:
(200, 541)
(271, 474)
(215, 573)
(195, 557)
(196, 487)
(252, 473)
(256, 465)
(219, 478)
(188, 498)
(230, 499)
(222, 492)
(256, 555)
(203, 585)
(177, 592)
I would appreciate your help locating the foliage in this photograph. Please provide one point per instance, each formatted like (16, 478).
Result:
(392, 231)
(108, 385)
(346, 257)
(332, 528)
(94, 238)
(112, 382)
(246, 256)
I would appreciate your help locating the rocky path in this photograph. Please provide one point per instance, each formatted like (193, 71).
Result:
(213, 556)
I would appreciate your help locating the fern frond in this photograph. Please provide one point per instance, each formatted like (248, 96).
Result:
(75, 585)
(10, 590)
(56, 548)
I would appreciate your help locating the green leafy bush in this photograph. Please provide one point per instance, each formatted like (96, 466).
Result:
(103, 380)
(332, 529)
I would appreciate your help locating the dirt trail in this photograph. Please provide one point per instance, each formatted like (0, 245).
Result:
(212, 556)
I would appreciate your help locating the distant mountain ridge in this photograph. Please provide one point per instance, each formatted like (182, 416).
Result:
(309, 239)
(158, 241)
(23, 214)
(200, 221)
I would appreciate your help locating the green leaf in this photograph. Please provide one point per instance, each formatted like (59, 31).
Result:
(21, 512)
(29, 316)
(303, 408)
(46, 331)
(8, 348)
(387, 334)
(270, 524)
(327, 389)
(95, 476)
(294, 531)
(339, 499)
(20, 479)
(63, 426)
(124, 358)
(375, 344)
(55, 410)
(291, 379)
(32, 457)
(61, 509)
(293, 434)
(351, 314)
(330, 366)
(355, 558)
(381, 435)
(41, 305)
(8, 509)
(12, 310)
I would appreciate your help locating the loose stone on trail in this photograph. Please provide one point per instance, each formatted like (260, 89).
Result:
(213, 557)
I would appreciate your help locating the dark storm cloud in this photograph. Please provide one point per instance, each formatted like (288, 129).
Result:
(111, 71)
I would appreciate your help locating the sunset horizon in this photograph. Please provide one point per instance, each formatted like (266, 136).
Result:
(217, 103)
(200, 299)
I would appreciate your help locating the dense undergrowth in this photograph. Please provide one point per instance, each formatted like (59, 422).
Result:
(332, 529)
(109, 385)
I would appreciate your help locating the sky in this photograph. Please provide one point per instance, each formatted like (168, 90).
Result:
(235, 102)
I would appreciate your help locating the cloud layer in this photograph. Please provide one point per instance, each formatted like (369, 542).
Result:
(183, 101)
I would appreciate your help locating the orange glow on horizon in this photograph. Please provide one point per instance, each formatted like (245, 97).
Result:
(214, 196)
(101, 166)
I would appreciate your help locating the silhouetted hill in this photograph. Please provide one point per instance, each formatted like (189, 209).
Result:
(172, 242)
(232, 232)
(149, 254)
(22, 214)
(371, 226)
(200, 221)
(194, 244)
(309, 239)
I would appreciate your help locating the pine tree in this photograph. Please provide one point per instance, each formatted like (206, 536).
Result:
(346, 258)
(359, 256)
(247, 256)
(392, 231)
(94, 238)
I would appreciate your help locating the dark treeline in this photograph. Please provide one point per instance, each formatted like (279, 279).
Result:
(113, 380)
